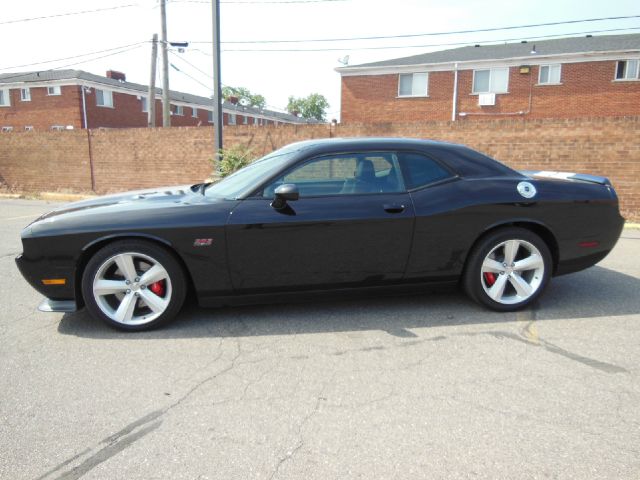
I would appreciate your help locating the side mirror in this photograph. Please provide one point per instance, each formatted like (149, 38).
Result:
(283, 194)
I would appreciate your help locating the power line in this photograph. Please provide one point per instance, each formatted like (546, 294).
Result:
(73, 57)
(4, 78)
(208, 87)
(98, 58)
(430, 34)
(343, 49)
(278, 109)
(192, 65)
(57, 15)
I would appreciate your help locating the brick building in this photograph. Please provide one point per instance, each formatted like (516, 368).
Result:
(562, 78)
(66, 99)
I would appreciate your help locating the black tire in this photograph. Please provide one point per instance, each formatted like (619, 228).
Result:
(478, 286)
(143, 254)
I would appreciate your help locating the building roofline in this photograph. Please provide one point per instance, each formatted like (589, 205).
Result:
(569, 48)
(80, 77)
(470, 64)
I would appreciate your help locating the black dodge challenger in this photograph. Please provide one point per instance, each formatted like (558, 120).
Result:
(323, 215)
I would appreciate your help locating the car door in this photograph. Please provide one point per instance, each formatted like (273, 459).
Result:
(352, 225)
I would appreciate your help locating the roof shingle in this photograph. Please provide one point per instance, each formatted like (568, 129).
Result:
(568, 45)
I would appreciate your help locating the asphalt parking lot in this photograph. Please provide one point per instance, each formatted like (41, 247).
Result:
(409, 387)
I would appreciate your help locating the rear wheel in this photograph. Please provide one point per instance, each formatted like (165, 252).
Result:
(133, 285)
(508, 269)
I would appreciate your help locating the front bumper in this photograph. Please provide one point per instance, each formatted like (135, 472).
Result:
(35, 271)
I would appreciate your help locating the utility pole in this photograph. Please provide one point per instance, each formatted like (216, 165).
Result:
(217, 90)
(151, 98)
(166, 102)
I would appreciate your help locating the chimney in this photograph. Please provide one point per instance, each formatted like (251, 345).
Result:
(116, 75)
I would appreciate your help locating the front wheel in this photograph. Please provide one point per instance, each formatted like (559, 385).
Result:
(508, 269)
(133, 285)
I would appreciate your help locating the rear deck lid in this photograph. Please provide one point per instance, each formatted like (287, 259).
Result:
(575, 177)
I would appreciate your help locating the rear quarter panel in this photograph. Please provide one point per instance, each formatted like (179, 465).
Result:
(451, 217)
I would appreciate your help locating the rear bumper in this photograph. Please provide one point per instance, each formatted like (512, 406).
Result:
(580, 263)
(578, 258)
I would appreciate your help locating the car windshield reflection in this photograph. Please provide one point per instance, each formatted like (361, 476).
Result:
(245, 180)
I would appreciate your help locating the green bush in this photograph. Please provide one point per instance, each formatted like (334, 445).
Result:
(234, 158)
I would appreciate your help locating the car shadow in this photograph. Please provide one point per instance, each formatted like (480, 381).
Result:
(597, 292)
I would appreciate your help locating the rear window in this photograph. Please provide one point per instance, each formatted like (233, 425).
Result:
(420, 171)
(470, 163)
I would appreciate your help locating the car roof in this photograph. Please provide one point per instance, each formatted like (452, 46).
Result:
(332, 144)
(459, 158)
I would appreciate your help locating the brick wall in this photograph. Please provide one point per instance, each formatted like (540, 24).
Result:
(139, 158)
(136, 158)
(587, 90)
(45, 161)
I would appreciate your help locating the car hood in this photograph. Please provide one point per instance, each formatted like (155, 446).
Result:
(150, 209)
(127, 200)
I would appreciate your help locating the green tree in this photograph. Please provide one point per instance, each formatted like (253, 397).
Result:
(252, 99)
(313, 106)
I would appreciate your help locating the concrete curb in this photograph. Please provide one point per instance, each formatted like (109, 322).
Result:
(64, 197)
(50, 196)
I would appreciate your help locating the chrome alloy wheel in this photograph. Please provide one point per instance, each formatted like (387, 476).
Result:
(132, 288)
(512, 272)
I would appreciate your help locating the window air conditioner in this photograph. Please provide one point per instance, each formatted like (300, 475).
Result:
(485, 99)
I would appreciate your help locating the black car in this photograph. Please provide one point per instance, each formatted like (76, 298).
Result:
(323, 215)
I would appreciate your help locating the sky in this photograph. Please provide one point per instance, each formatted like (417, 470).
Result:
(276, 75)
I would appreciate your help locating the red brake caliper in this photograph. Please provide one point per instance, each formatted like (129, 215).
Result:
(489, 277)
(158, 288)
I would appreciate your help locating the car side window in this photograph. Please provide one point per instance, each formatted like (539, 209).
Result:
(419, 170)
(346, 174)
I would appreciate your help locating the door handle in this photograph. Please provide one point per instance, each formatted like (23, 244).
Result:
(393, 208)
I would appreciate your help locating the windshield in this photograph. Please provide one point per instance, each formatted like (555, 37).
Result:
(246, 179)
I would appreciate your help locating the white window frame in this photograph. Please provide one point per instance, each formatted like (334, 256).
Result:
(414, 95)
(28, 128)
(255, 120)
(550, 66)
(245, 120)
(54, 90)
(57, 128)
(194, 112)
(145, 104)
(210, 116)
(625, 78)
(106, 94)
(231, 118)
(25, 94)
(6, 97)
(491, 72)
(7, 128)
